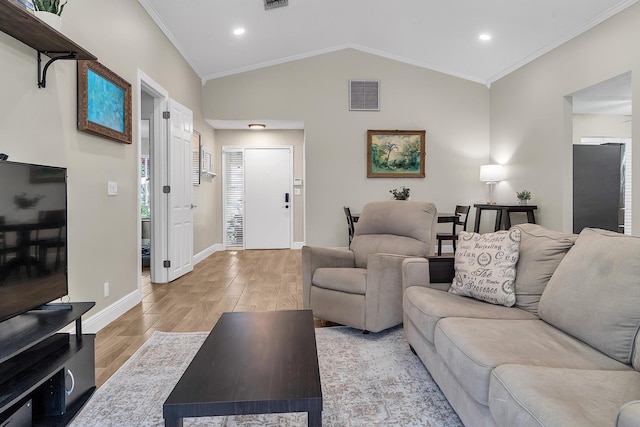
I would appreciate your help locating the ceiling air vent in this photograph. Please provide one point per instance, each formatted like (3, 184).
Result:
(272, 4)
(364, 95)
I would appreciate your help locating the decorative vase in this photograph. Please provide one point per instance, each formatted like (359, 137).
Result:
(522, 202)
(51, 19)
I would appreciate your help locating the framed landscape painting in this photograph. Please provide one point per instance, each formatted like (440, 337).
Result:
(104, 102)
(395, 153)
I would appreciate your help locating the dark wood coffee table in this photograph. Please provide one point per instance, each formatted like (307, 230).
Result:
(252, 363)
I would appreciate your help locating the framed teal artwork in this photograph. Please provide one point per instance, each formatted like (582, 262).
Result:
(104, 102)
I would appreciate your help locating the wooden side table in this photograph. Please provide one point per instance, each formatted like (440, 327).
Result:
(503, 219)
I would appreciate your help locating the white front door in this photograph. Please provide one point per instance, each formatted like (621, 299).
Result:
(180, 233)
(268, 198)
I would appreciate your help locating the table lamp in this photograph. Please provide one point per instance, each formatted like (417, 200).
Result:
(491, 174)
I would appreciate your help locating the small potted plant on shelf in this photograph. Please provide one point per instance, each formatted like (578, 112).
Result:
(400, 194)
(523, 196)
(51, 6)
(49, 11)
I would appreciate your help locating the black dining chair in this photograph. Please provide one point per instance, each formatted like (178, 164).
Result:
(49, 235)
(462, 215)
(350, 223)
(4, 247)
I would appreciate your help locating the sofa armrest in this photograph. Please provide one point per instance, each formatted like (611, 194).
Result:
(433, 272)
(316, 257)
(629, 415)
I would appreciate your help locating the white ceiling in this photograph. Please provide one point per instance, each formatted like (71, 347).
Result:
(438, 35)
(612, 96)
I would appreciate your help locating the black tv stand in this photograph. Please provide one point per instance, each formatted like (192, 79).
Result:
(53, 306)
(44, 373)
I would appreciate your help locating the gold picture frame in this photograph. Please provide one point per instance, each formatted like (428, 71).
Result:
(396, 153)
(104, 102)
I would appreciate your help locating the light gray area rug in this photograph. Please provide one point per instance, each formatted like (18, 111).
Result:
(367, 380)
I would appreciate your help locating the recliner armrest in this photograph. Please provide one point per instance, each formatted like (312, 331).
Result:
(327, 258)
(384, 291)
(316, 257)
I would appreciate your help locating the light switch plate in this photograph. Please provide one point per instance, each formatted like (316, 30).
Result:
(112, 188)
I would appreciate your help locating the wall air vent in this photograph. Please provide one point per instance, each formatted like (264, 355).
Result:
(272, 4)
(364, 95)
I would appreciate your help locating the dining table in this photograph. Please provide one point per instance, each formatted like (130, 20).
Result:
(443, 217)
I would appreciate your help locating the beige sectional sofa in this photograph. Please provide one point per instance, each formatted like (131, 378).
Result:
(566, 354)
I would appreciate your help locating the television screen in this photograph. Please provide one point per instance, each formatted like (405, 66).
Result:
(33, 236)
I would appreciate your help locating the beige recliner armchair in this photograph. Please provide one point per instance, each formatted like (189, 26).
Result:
(362, 287)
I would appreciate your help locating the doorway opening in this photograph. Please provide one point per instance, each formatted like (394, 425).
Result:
(145, 191)
(602, 144)
(152, 209)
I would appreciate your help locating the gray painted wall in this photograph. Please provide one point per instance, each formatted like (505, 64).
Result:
(532, 120)
(454, 112)
(39, 126)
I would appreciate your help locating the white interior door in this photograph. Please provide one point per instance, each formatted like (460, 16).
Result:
(268, 199)
(180, 233)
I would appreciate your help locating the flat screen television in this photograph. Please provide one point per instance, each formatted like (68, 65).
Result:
(33, 236)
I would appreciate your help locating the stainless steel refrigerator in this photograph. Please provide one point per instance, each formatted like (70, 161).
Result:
(598, 187)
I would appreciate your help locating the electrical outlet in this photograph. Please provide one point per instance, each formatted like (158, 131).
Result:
(106, 289)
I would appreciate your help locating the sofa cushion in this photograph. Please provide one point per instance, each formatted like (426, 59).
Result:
(351, 280)
(472, 348)
(541, 251)
(594, 294)
(535, 396)
(426, 306)
(485, 266)
(629, 415)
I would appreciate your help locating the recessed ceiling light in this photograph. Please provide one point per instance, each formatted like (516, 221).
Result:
(238, 31)
(484, 37)
(257, 126)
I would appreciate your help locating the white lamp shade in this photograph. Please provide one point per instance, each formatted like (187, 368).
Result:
(491, 173)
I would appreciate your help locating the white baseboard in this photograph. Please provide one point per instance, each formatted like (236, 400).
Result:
(297, 245)
(207, 252)
(102, 318)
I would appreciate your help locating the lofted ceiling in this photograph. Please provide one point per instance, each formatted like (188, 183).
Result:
(612, 96)
(438, 35)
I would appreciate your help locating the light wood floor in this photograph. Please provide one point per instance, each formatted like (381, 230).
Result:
(257, 280)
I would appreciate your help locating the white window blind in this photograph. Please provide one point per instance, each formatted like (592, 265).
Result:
(233, 164)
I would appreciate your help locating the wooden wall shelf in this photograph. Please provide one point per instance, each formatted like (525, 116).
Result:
(22, 25)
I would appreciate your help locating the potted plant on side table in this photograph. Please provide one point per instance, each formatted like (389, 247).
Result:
(400, 194)
(523, 197)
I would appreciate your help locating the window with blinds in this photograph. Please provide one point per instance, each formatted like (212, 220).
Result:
(233, 164)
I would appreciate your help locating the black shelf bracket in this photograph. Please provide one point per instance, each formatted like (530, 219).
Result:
(42, 72)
